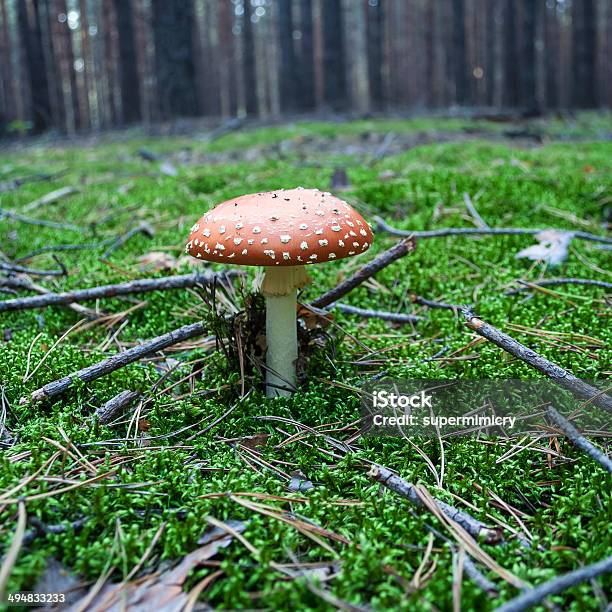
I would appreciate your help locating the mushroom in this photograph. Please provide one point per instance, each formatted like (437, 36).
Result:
(284, 231)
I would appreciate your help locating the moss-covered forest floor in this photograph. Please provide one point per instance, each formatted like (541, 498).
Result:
(123, 500)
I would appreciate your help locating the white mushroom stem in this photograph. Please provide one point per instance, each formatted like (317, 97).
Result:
(280, 287)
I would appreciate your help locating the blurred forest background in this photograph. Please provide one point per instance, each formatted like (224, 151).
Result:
(87, 65)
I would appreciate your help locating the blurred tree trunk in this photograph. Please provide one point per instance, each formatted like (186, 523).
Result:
(490, 67)
(374, 43)
(28, 13)
(511, 57)
(307, 100)
(335, 91)
(288, 71)
(528, 57)
(86, 53)
(227, 72)
(67, 64)
(551, 61)
(174, 62)
(459, 53)
(128, 65)
(110, 65)
(249, 65)
(584, 37)
(9, 102)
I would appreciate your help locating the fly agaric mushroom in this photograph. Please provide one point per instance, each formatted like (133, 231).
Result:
(284, 231)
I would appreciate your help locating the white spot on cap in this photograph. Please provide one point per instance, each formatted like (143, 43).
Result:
(257, 230)
(244, 252)
(206, 248)
(359, 222)
(318, 232)
(230, 256)
(363, 232)
(270, 253)
(219, 246)
(264, 241)
(341, 243)
(355, 244)
(314, 256)
(335, 228)
(196, 242)
(351, 252)
(319, 212)
(364, 246)
(206, 232)
(222, 229)
(273, 218)
(239, 225)
(350, 224)
(250, 241)
(323, 242)
(332, 256)
(199, 255)
(303, 226)
(285, 238)
(286, 255)
(352, 233)
(195, 227)
(304, 246)
(237, 240)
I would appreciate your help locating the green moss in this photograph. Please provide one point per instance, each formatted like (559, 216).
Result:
(560, 185)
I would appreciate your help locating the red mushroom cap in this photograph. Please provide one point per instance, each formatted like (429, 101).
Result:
(290, 227)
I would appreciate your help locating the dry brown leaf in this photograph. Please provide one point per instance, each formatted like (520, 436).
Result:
(158, 261)
(162, 592)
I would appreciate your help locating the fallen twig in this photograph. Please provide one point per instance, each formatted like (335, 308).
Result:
(137, 286)
(577, 439)
(482, 231)
(114, 406)
(531, 597)
(527, 285)
(480, 222)
(40, 529)
(50, 198)
(40, 222)
(395, 317)
(22, 283)
(117, 361)
(141, 228)
(406, 489)
(397, 251)
(417, 299)
(10, 267)
(556, 373)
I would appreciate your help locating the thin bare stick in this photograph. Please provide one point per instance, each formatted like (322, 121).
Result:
(23, 283)
(532, 597)
(114, 406)
(480, 222)
(417, 299)
(577, 439)
(142, 228)
(40, 222)
(13, 551)
(548, 282)
(556, 373)
(481, 231)
(394, 317)
(137, 286)
(397, 251)
(50, 198)
(10, 267)
(406, 489)
(117, 361)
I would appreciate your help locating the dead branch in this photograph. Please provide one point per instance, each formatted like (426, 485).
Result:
(397, 251)
(482, 231)
(115, 406)
(532, 597)
(417, 299)
(548, 282)
(23, 283)
(40, 529)
(577, 439)
(556, 373)
(10, 267)
(406, 489)
(394, 317)
(137, 286)
(39, 222)
(50, 198)
(117, 361)
(142, 228)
